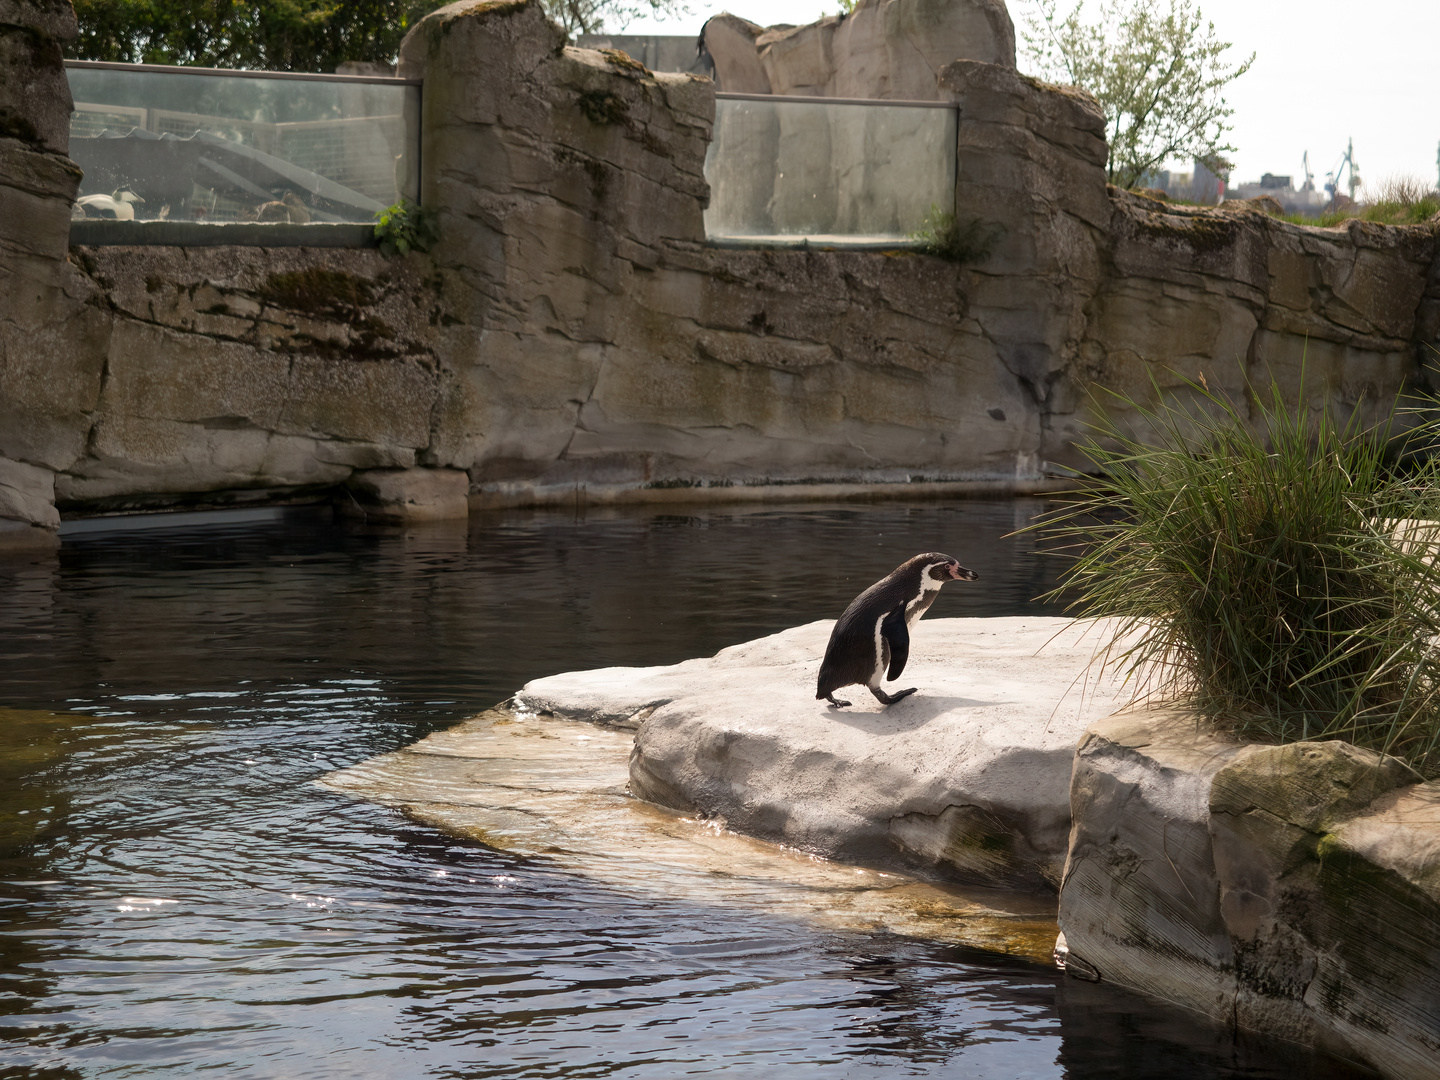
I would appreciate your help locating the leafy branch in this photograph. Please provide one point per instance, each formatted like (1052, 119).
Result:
(1157, 69)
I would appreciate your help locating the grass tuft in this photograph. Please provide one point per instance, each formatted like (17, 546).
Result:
(944, 235)
(1400, 200)
(1271, 567)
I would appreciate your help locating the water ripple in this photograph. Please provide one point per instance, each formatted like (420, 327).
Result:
(177, 896)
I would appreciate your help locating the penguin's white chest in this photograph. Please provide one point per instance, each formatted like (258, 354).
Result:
(929, 589)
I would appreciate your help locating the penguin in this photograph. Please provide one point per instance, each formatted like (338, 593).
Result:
(874, 633)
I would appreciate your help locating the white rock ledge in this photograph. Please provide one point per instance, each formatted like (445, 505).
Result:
(968, 779)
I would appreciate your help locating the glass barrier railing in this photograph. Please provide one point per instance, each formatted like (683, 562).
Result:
(201, 145)
(828, 171)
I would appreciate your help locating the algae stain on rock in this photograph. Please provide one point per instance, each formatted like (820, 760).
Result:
(334, 295)
(319, 291)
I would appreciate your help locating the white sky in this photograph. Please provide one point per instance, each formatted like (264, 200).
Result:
(1324, 71)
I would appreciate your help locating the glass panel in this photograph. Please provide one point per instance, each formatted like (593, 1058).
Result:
(828, 172)
(202, 146)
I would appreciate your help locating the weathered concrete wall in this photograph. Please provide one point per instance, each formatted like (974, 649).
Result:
(40, 402)
(1336, 316)
(609, 345)
(1293, 890)
(235, 368)
(889, 49)
(572, 331)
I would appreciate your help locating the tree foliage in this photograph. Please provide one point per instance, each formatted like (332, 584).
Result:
(1157, 69)
(290, 35)
(597, 16)
(270, 35)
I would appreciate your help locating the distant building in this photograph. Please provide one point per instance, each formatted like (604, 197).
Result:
(1305, 201)
(1200, 185)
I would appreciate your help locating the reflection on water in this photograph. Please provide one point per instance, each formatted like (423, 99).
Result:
(177, 895)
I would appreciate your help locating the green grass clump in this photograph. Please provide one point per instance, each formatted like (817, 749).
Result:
(944, 235)
(1249, 554)
(1401, 200)
(1383, 213)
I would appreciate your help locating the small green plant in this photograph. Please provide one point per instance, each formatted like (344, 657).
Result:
(1270, 566)
(943, 235)
(404, 228)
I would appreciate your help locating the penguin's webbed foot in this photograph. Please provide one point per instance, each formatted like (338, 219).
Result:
(890, 699)
(835, 703)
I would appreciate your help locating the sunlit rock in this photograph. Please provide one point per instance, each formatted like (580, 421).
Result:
(967, 779)
(555, 790)
(27, 495)
(1292, 890)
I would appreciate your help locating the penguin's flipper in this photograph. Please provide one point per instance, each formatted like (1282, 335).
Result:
(897, 636)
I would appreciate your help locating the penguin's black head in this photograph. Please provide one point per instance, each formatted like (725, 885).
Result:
(943, 568)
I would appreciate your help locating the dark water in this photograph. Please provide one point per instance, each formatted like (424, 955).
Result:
(177, 898)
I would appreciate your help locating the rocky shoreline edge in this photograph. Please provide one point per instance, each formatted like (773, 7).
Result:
(1289, 890)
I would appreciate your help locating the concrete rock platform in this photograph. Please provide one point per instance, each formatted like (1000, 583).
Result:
(966, 780)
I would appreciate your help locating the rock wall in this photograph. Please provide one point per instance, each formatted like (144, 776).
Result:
(1293, 890)
(608, 345)
(891, 49)
(250, 370)
(573, 335)
(39, 403)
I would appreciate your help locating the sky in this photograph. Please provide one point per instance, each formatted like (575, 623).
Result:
(1324, 72)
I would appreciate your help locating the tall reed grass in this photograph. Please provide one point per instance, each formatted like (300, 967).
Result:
(1269, 566)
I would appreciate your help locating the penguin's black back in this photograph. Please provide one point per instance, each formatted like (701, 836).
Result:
(850, 656)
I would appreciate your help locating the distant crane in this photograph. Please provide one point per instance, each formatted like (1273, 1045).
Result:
(1309, 184)
(1332, 179)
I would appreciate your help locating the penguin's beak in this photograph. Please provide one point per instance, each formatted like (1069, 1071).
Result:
(960, 573)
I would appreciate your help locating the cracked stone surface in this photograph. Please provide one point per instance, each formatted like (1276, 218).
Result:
(1293, 890)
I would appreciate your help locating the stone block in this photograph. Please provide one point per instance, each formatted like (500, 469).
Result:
(967, 779)
(1270, 812)
(730, 41)
(1139, 905)
(1291, 890)
(35, 109)
(384, 402)
(27, 494)
(36, 190)
(19, 539)
(408, 494)
(54, 19)
(888, 49)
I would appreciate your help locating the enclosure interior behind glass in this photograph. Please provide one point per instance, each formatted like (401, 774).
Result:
(828, 171)
(206, 146)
